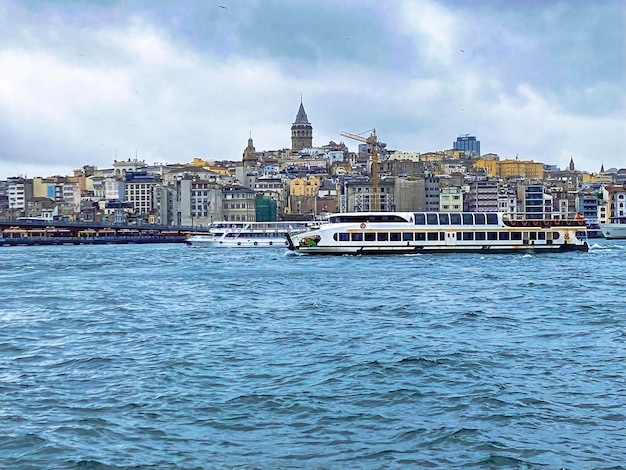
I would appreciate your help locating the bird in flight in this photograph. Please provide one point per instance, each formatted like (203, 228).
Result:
(223, 7)
(461, 50)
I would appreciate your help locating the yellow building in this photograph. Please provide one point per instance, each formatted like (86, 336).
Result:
(509, 168)
(432, 156)
(490, 165)
(304, 186)
(43, 188)
(597, 178)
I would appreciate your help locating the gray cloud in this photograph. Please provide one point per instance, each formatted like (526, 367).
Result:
(83, 82)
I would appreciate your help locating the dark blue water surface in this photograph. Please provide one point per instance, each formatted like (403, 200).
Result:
(167, 356)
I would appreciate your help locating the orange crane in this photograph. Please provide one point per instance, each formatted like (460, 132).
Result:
(373, 141)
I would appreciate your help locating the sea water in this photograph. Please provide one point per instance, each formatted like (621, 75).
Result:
(168, 356)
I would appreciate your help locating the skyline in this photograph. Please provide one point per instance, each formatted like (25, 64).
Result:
(86, 83)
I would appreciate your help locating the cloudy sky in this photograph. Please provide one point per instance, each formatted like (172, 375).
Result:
(87, 82)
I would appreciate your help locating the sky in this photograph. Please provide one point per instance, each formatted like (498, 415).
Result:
(89, 82)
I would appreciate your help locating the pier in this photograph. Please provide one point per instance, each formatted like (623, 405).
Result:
(35, 232)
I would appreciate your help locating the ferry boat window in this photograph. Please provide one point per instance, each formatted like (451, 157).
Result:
(492, 218)
(444, 219)
(356, 237)
(516, 235)
(541, 235)
(420, 236)
(407, 236)
(455, 219)
(467, 219)
(395, 236)
(442, 236)
(344, 237)
(468, 235)
(432, 219)
(533, 235)
(503, 235)
(480, 236)
(432, 236)
(382, 236)
(492, 235)
(420, 218)
(480, 219)
(370, 237)
(555, 235)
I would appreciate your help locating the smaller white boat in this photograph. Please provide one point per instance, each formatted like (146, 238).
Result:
(615, 228)
(246, 235)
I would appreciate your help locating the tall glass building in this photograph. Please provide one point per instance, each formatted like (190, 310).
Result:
(468, 143)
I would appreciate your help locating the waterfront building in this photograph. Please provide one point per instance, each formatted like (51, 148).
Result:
(358, 195)
(4, 198)
(534, 202)
(616, 201)
(303, 195)
(467, 143)
(564, 201)
(587, 205)
(19, 191)
(116, 212)
(507, 199)
(113, 189)
(191, 201)
(450, 199)
(409, 194)
(482, 196)
(327, 197)
(301, 131)
(274, 186)
(238, 203)
(266, 209)
(138, 190)
(41, 208)
(432, 189)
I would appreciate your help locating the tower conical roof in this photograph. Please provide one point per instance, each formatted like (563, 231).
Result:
(301, 117)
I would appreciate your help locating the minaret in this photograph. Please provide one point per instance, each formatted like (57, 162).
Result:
(301, 131)
(249, 154)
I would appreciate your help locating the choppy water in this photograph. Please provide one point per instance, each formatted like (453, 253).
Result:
(167, 356)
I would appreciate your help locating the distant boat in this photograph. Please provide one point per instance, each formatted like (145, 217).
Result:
(377, 233)
(246, 235)
(615, 228)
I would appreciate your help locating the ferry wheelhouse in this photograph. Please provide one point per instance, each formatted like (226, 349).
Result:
(425, 232)
(245, 235)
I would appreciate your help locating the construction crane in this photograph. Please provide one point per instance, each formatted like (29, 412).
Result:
(376, 145)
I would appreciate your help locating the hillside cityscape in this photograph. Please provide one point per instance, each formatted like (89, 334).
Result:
(306, 182)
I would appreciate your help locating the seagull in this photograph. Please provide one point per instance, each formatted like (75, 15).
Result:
(461, 50)
(223, 7)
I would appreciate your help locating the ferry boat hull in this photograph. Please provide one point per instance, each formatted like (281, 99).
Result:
(403, 233)
(613, 231)
(245, 235)
(239, 241)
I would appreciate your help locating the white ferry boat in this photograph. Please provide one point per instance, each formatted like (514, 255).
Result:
(615, 228)
(246, 234)
(428, 232)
